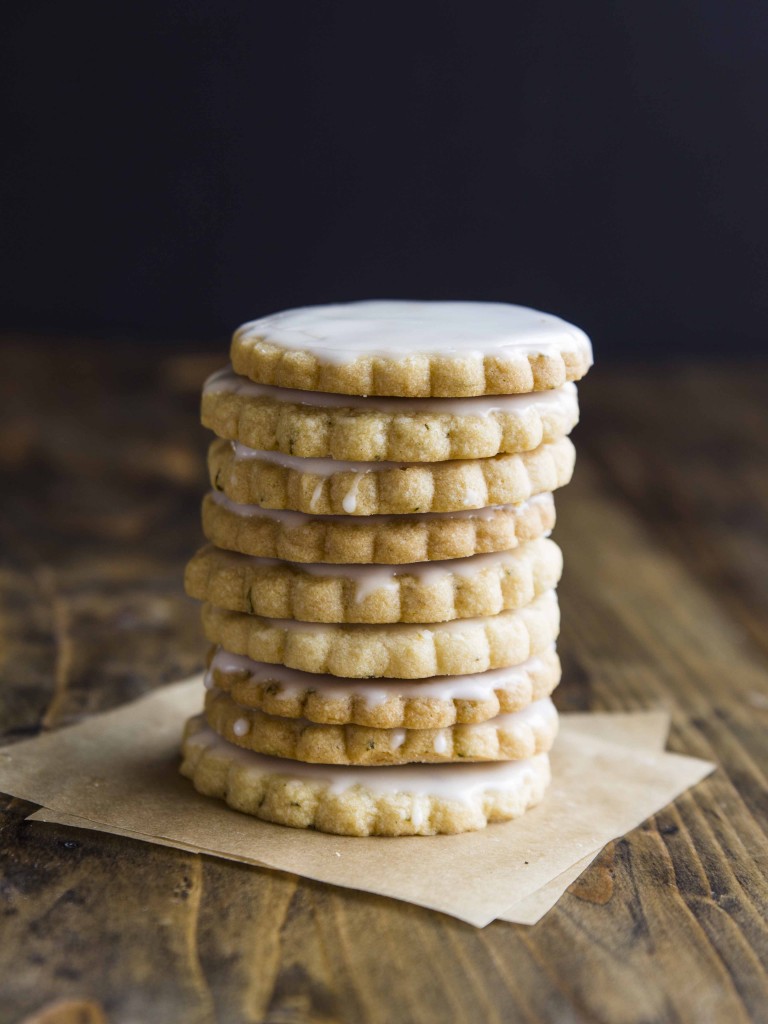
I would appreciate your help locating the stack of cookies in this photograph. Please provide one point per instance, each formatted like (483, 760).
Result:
(379, 582)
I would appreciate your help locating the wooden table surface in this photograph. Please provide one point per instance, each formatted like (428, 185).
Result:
(664, 603)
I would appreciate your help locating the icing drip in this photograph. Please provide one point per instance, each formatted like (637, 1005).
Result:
(323, 468)
(396, 738)
(317, 467)
(349, 502)
(441, 743)
(418, 815)
(316, 495)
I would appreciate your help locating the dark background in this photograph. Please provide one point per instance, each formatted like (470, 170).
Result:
(172, 169)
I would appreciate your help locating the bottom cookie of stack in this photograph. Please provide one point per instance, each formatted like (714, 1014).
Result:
(399, 800)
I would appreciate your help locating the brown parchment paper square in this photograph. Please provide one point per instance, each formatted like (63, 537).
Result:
(121, 769)
(641, 730)
(638, 729)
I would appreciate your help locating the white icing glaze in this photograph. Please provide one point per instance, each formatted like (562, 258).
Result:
(293, 682)
(294, 519)
(323, 468)
(327, 467)
(370, 583)
(418, 813)
(454, 782)
(316, 495)
(340, 334)
(224, 661)
(563, 398)
(540, 713)
(369, 579)
(441, 742)
(317, 467)
(349, 502)
(397, 738)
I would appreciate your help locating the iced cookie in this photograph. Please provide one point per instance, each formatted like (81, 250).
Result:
(402, 651)
(417, 592)
(401, 800)
(412, 349)
(330, 487)
(510, 737)
(373, 540)
(382, 703)
(316, 425)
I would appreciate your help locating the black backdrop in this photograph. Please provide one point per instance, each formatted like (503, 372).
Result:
(174, 168)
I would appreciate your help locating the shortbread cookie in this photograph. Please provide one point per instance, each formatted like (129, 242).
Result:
(505, 738)
(317, 426)
(373, 540)
(383, 703)
(417, 592)
(401, 800)
(412, 349)
(330, 487)
(402, 651)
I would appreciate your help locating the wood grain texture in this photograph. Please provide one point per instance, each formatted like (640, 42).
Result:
(665, 605)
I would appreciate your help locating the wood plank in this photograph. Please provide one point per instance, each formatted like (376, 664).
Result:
(665, 604)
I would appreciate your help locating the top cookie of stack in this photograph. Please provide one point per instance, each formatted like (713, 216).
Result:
(413, 349)
(386, 433)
